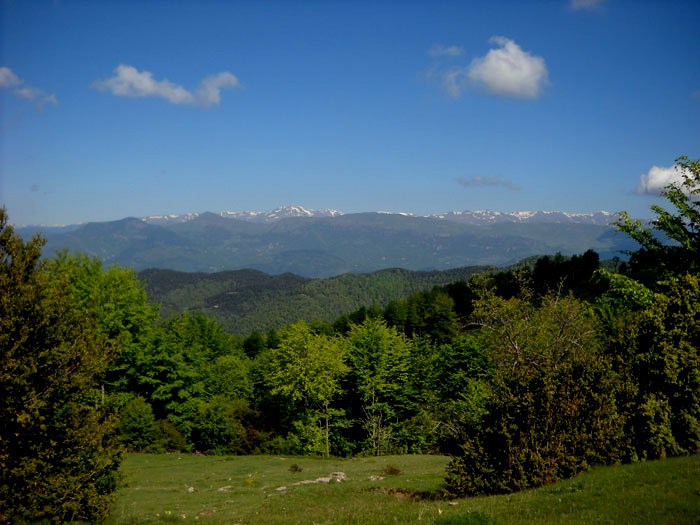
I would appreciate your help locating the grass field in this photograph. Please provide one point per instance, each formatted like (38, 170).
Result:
(183, 488)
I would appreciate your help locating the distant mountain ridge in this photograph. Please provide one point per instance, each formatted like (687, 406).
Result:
(326, 243)
(480, 217)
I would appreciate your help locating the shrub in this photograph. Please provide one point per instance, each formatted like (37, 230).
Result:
(551, 409)
(222, 426)
(137, 424)
(169, 438)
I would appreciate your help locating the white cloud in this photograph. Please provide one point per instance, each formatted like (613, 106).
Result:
(130, 82)
(578, 5)
(653, 182)
(508, 71)
(8, 79)
(450, 51)
(209, 91)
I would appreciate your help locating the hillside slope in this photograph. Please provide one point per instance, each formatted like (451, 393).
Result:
(249, 300)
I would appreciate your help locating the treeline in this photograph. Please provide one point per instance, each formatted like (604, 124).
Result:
(523, 377)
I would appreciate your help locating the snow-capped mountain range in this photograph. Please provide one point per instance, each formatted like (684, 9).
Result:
(481, 217)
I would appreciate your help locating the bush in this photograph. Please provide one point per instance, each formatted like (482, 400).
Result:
(137, 425)
(551, 409)
(222, 426)
(169, 438)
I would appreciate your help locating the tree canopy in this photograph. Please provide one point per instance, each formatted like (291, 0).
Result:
(675, 249)
(59, 453)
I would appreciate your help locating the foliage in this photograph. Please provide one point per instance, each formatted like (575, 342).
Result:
(189, 359)
(657, 260)
(168, 438)
(137, 424)
(223, 426)
(462, 372)
(125, 316)
(58, 451)
(551, 411)
(622, 293)
(653, 338)
(379, 366)
(245, 301)
(666, 370)
(308, 368)
(230, 376)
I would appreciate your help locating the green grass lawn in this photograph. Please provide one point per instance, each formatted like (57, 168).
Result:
(176, 488)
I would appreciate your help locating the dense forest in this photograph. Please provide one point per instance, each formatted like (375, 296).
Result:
(523, 376)
(245, 301)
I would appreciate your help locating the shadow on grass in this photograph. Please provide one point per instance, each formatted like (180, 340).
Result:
(467, 518)
(415, 495)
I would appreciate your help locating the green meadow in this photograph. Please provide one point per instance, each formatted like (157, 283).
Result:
(172, 488)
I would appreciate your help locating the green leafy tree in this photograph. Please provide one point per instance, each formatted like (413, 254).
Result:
(254, 344)
(653, 338)
(379, 358)
(665, 366)
(59, 454)
(657, 259)
(460, 381)
(439, 317)
(124, 315)
(308, 368)
(230, 376)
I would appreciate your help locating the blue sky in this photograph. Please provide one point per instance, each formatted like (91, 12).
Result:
(115, 109)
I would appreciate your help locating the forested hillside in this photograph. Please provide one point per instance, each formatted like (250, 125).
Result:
(244, 301)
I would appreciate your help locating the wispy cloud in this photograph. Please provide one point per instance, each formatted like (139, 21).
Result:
(130, 82)
(478, 181)
(455, 81)
(579, 5)
(9, 80)
(508, 71)
(657, 178)
(451, 51)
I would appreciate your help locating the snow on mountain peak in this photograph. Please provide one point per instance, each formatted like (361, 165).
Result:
(478, 217)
